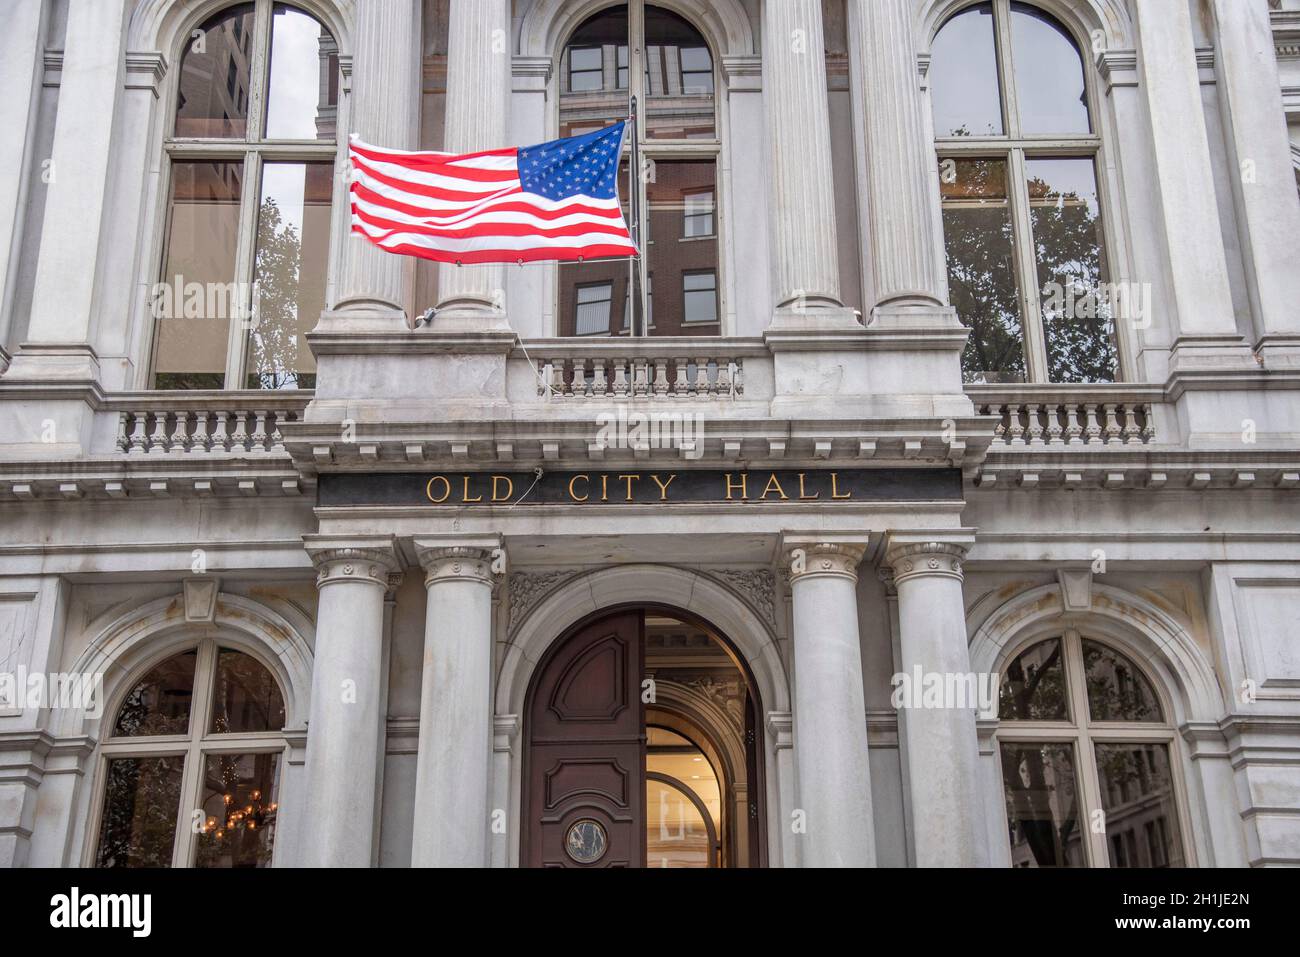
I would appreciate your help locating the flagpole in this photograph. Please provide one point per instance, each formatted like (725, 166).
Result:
(634, 184)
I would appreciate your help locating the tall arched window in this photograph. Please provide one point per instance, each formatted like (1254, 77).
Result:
(1022, 216)
(191, 765)
(251, 161)
(1087, 763)
(637, 49)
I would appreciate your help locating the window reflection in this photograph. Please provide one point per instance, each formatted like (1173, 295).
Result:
(1033, 688)
(1050, 90)
(302, 103)
(141, 801)
(245, 697)
(1117, 690)
(240, 807)
(679, 79)
(216, 70)
(1138, 797)
(964, 76)
(160, 703)
(1042, 805)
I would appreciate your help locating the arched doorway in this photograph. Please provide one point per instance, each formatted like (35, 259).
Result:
(642, 747)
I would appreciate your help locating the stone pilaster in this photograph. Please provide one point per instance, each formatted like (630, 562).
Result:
(472, 298)
(1205, 333)
(343, 731)
(941, 740)
(1264, 181)
(383, 110)
(830, 723)
(805, 254)
(454, 764)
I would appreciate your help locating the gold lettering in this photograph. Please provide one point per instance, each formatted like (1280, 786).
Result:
(510, 488)
(741, 486)
(604, 488)
(465, 499)
(663, 486)
(629, 479)
(428, 489)
(771, 484)
(835, 488)
(803, 496)
(574, 495)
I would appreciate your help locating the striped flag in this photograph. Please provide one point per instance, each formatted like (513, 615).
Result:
(556, 201)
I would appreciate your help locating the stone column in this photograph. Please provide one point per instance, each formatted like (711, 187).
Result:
(338, 805)
(805, 254)
(383, 110)
(830, 714)
(472, 298)
(455, 749)
(1264, 179)
(22, 66)
(941, 741)
(906, 256)
(90, 92)
(1206, 330)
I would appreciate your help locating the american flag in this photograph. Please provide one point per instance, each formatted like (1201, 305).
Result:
(556, 201)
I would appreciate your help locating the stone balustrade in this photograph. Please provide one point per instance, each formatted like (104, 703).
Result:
(1064, 417)
(230, 423)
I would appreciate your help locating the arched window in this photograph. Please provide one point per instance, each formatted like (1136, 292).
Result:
(250, 162)
(1018, 149)
(191, 765)
(1087, 764)
(638, 49)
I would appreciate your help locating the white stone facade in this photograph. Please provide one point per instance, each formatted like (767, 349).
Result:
(1156, 514)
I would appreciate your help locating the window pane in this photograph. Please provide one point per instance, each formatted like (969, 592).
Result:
(160, 702)
(1050, 89)
(576, 276)
(1117, 690)
(964, 76)
(303, 99)
(679, 94)
(1033, 689)
(245, 696)
(700, 292)
(587, 101)
(1137, 794)
(681, 207)
(198, 295)
(240, 793)
(293, 233)
(1077, 320)
(981, 267)
(1042, 805)
(593, 309)
(215, 70)
(141, 800)
(676, 835)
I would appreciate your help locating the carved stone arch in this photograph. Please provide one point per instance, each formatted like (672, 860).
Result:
(1184, 678)
(1083, 18)
(549, 23)
(125, 646)
(165, 25)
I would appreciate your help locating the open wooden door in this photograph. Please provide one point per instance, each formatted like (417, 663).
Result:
(585, 773)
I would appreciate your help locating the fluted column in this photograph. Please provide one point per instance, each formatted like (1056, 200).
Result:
(1260, 147)
(905, 253)
(455, 746)
(940, 736)
(805, 249)
(384, 110)
(478, 97)
(347, 685)
(830, 715)
(1206, 329)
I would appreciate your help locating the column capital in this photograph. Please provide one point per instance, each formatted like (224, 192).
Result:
(370, 561)
(820, 559)
(912, 558)
(460, 560)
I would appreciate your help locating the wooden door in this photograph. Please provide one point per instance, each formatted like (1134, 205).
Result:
(585, 787)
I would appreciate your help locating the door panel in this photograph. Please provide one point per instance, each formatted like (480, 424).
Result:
(586, 750)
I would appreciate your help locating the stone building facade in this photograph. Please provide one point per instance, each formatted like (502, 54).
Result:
(946, 516)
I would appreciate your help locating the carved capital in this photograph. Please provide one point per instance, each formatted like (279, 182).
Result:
(824, 559)
(363, 562)
(457, 563)
(915, 559)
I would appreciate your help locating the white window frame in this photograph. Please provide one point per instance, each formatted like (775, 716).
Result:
(1015, 147)
(1080, 732)
(194, 746)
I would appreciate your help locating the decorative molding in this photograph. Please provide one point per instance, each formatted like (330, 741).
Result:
(200, 599)
(527, 589)
(456, 563)
(917, 559)
(1076, 588)
(364, 561)
(756, 584)
(824, 559)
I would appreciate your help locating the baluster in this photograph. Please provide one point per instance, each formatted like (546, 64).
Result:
(277, 438)
(620, 377)
(642, 381)
(661, 377)
(682, 385)
(599, 387)
(703, 385)
(579, 378)
(1035, 427)
(199, 441)
(1132, 434)
(543, 378)
(1013, 423)
(1000, 431)
(220, 440)
(239, 438)
(258, 439)
(1112, 426)
(738, 379)
(557, 377)
(1073, 430)
(1149, 425)
(1092, 429)
(180, 435)
(724, 377)
(123, 442)
(1054, 429)
(158, 441)
(139, 443)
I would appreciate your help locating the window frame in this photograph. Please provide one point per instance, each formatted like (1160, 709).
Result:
(1081, 733)
(1015, 148)
(655, 150)
(717, 298)
(254, 152)
(194, 746)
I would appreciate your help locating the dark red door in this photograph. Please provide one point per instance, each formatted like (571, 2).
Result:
(586, 751)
